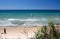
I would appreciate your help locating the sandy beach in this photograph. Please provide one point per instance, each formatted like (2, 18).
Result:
(18, 32)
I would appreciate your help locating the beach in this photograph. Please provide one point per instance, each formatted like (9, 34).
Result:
(22, 24)
(21, 32)
(18, 32)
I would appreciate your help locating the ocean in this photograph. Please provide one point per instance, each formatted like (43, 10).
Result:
(28, 17)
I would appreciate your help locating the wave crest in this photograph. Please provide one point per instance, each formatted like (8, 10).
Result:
(26, 22)
(23, 19)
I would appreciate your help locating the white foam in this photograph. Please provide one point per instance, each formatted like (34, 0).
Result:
(27, 22)
(5, 23)
(13, 19)
(57, 19)
(31, 24)
(23, 19)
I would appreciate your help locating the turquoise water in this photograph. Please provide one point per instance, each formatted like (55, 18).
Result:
(28, 17)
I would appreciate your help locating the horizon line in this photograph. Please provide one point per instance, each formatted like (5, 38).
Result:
(29, 9)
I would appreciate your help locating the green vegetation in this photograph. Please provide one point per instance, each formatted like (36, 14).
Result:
(48, 32)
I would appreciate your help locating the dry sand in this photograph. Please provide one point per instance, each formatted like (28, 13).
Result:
(21, 31)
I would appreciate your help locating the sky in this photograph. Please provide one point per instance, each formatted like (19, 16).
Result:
(29, 4)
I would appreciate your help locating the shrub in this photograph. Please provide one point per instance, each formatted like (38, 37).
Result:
(53, 33)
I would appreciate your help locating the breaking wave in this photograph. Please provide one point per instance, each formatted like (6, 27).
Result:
(27, 22)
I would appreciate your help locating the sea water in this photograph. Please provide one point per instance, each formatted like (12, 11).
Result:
(28, 17)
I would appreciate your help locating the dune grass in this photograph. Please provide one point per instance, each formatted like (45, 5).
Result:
(45, 33)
